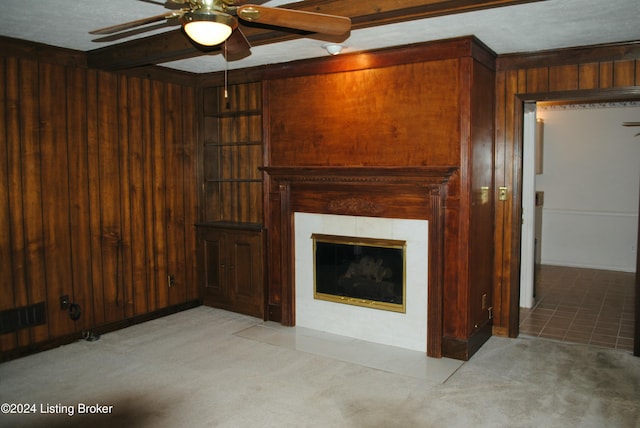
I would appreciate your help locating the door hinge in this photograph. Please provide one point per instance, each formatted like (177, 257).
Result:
(490, 313)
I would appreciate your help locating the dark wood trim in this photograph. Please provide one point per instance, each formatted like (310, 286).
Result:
(467, 46)
(461, 47)
(636, 340)
(584, 96)
(103, 329)
(613, 94)
(164, 74)
(23, 49)
(570, 56)
(435, 294)
(464, 349)
(43, 53)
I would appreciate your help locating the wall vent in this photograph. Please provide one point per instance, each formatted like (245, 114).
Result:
(27, 316)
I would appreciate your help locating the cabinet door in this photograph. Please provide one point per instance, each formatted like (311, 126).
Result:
(246, 280)
(231, 270)
(213, 267)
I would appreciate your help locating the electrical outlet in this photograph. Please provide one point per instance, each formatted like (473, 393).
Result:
(171, 280)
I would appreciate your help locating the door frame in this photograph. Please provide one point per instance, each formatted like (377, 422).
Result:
(577, 96)
(636, 339)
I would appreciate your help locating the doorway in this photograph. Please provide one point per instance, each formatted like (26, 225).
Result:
(585, 287)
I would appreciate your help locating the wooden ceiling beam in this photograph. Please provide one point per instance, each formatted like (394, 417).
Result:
(175, 45)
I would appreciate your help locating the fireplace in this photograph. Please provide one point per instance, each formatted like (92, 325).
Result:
(396, 203)
(404, 329)
(360, 271)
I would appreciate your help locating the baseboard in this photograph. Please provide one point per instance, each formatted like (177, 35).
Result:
(500, 331)
(102, 329)
(461, 349)
(274, 313)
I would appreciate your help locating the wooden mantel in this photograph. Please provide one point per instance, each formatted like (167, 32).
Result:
(415, 175)
(389, 192)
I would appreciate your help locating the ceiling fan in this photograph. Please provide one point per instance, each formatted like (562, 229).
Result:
(632, 124)
(211, 22)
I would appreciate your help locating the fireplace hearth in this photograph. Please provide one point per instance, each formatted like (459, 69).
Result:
(360, 271)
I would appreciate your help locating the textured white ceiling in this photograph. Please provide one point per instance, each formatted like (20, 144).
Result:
(529, 27)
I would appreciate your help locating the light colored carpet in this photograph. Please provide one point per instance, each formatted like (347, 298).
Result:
(210, 368)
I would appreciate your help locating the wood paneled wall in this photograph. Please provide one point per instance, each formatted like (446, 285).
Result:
(377, 116)
(97, 196)
(609, 72)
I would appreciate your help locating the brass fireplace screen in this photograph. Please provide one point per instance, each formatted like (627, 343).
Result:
(360, 271)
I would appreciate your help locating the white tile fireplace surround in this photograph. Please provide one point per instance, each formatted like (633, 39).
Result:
(405, 330)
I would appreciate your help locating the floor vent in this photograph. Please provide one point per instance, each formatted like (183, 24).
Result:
(28, 316)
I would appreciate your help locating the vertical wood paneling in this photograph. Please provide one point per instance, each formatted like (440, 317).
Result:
(97, 195)
(54, 169)
(606, 75)
(124, 267)
(32, 191)
(190, 201)
(16, 207)
(76, 102)
(538, 79)
(150, 195)
(137, 218)
(624, 73)
(175, 220)
(109, 189)
(7, 341)
(158, 176)
(588, 76)
(93, 160)
(563, 78)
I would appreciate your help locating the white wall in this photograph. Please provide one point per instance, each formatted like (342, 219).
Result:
(591, 185)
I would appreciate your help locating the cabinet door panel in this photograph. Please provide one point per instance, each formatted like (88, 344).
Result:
(213, 264)
(246, 277)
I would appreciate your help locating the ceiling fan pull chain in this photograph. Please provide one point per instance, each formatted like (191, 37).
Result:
(226, 81)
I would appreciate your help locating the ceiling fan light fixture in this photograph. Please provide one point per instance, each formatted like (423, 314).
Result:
(208, 28)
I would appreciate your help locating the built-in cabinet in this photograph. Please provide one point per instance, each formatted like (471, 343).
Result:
(230, 235)
(231, 268)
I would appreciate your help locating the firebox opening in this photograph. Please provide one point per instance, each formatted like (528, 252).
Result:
(360, 271)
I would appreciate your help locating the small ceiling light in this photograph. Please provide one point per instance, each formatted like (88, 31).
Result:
(333, 49)
(208, 28)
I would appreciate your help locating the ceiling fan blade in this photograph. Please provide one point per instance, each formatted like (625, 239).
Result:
(630, 123)
(135, 31)
(296, 19)
(137, 23)
(236, 46)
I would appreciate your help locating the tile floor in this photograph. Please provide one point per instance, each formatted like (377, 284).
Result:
(382, 357)
(588, 306)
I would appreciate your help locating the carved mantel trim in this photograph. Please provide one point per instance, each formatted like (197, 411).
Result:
(390, 192)
(364, 174)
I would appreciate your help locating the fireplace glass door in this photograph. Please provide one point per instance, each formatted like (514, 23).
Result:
(360, 271)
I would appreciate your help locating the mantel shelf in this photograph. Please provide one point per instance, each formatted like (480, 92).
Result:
(384, 174)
